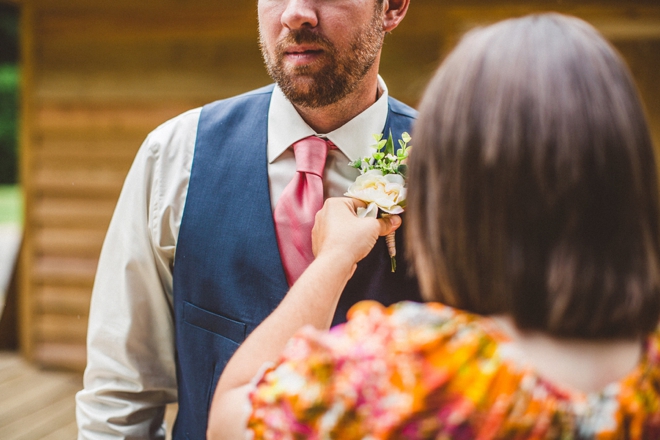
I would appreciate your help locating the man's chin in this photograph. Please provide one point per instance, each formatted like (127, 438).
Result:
(301, 86)
(304, 100)
(301, 91)
(314, 90)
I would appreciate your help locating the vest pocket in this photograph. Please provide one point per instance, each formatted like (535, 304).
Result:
(205, 342)
(217, 324)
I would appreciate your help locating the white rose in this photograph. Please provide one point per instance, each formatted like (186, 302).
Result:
(386, 192)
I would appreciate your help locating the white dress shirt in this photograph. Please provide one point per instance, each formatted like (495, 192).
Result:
(130, 374)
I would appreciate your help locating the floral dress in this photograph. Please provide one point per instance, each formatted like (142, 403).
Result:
(427, 371)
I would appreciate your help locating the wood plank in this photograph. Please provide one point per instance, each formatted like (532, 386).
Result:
(157, 83)
(38, 402)
(89, 160)
(78, 183)
(66, 329)
(66, 432)
(8, 360)
(68, 271)
(159, 60)
(615, 18)
(62, 300)
(71, 357)
(147, 24)
(408, 84)
(106, 117)
(9, 373)
(73, 212)
(69, 242)
(39, 405)
(41, 420)
(74, 146)
(33, 388)
(92, 134)
(82, 139)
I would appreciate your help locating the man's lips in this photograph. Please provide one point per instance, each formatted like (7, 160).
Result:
(302, 55)
(302, 48)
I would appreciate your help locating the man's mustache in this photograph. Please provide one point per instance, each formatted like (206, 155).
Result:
(303, 36)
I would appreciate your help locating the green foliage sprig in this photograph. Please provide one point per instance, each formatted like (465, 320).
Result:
(384, 157)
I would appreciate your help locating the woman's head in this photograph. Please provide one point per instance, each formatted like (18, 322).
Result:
(533, 188)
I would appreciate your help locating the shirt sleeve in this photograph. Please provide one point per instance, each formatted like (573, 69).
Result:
(131, 373)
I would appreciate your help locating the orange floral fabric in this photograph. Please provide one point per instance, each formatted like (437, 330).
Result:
(427, 371)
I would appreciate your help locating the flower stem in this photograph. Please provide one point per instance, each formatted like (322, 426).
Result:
(391, 248)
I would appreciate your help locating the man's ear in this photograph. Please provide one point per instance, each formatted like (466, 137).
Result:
(393, 13)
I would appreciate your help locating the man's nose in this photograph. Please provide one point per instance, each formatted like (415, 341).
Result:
(300, 13)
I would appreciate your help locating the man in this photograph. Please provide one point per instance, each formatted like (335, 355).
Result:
(162, 328)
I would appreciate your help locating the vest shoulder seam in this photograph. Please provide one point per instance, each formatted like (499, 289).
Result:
(402, 109)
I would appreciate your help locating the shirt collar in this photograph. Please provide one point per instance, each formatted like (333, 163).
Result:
(354, 138)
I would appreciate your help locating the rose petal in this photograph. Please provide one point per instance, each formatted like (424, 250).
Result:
(370, 211)
(394, 210)
(395, 178)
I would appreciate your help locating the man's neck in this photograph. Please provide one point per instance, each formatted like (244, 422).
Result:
(331, 117)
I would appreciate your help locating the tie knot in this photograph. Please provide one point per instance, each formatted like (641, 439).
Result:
(310, 154)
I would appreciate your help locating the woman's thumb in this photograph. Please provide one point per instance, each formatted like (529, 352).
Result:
(389, 224)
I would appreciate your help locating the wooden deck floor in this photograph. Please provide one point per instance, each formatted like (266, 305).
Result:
(39, 405)
(36, 404)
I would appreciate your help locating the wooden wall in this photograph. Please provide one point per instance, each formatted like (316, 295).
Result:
(98, 75)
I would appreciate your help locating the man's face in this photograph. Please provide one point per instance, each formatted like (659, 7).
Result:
(318, 51)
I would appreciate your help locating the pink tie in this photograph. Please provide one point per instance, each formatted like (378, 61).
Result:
(301, 200)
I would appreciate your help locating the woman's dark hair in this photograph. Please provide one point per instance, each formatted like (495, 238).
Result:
(533, 188)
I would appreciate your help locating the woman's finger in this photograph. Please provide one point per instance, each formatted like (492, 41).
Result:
(389, 224)
(355, 202)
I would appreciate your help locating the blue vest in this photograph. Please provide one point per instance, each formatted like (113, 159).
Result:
(228, 275)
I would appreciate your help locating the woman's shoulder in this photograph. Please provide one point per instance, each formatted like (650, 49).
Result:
(403, 330)
(415, 326)
(379, 368)
(373, 329)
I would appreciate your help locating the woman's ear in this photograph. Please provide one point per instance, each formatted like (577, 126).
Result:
(393, 13)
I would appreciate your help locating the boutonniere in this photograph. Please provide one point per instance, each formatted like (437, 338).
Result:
(382, 182)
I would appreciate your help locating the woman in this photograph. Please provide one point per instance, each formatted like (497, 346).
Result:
(533, 213)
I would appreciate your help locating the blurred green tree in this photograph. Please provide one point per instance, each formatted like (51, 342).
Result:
(8, 94)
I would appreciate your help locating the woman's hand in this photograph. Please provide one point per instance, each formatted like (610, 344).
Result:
(340, 240)
(338, 232)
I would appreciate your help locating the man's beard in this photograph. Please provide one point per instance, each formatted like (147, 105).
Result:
(311, 87)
